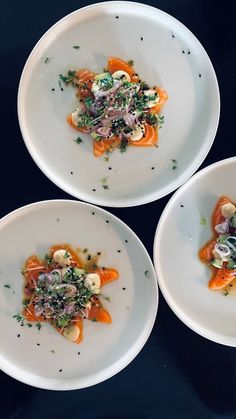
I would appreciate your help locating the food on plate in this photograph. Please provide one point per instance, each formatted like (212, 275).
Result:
(116, 107)
(63, 291)
(220, 251)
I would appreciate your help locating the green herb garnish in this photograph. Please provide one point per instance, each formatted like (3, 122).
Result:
(7, 286)
(94, 319)
(20, 319)
(46, 60)
(174, 166)
(130, 62)
(78, 140)
(38, 325)
(76, 46)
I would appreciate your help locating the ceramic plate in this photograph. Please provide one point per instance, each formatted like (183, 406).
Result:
(165, 53)
(43, 358)
(183, 229)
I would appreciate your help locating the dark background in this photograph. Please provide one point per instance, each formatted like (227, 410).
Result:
(178, 374)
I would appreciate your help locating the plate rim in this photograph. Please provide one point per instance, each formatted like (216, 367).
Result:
(191, 324)
(134, 201)
(134, 350)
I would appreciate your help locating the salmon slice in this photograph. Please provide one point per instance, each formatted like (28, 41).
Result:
(217, 217)
(29, 315)
(85, 81)
(115, 64)
(205, 253)
(107, 275)
(80, 129)
(107, 144)
(149, 139)
(98, 313)
(222, 278)
(162, 100)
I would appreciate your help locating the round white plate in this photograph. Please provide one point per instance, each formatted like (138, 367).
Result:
(183, 229)
(105, 349)
(165, 53)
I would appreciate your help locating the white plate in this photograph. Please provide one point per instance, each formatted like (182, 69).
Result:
(181, 232)
(106, 349)
(166, 53)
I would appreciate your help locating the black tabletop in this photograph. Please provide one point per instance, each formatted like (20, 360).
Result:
(178, 374)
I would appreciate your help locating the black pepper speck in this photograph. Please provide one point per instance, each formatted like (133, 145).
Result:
(199, 75)
(60, 370)
(117, 17)
(141, 39)
(18, 335)
(124, 288)
(94, 190)
(126, 241)
(38, 344)
(53, 90)
(181, 205)
(118, 251)
(153, 167)
(71, 173)
(107, 221)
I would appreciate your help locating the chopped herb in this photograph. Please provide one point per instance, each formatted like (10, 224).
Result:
(69, 78)
(29, 325)
(147, 274)
(78, 140)
(67, 255)
(52, 351)
(85, 250)
(46, 60)
(106, 159)
(7, 286)
(161, 120)
(174, 166)
(76, 46)
(105, 186)
(108, 299)
(203, 220)
(38, 325)
(20, 319)
(94, 319)
(48, 259)
(123, 145)
(130, 62)
(226, 292)
(60, 85)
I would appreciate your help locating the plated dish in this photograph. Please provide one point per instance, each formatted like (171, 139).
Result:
(63, 289)
(220, 251)
(177, 62)
(115, 107)
(202, 207)
(125, 308)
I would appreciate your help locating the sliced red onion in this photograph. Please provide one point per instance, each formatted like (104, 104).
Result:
(56, 275)
(69, 308)
(222, 249)
(103, 131)
(38, 310)
(223, 227)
